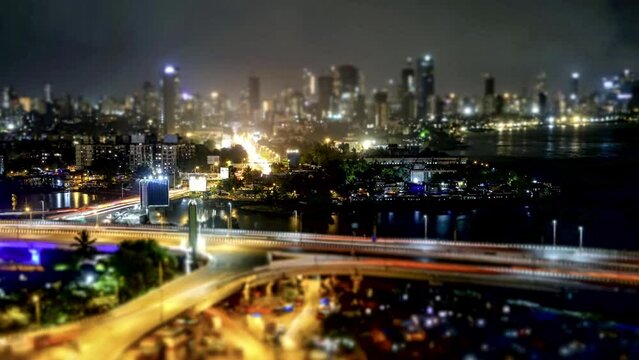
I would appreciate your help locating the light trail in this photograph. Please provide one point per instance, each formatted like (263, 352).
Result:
(255, 158)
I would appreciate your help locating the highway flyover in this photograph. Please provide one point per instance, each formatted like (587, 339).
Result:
(109, 334)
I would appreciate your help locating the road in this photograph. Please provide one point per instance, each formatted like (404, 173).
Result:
(88, 214)
(565, 257)
(306, 320)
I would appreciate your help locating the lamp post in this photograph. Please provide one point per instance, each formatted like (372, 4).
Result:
(581, 236)
(28, 209)
(36, 303)
(425, 227)
(554, 233)
(42, 203)
(230, 216)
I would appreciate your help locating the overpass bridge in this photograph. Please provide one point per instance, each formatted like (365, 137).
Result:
(508, 264)
(567, 257)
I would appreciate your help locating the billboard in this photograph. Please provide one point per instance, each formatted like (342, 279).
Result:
(213, 160)
(197, 183)
(154, 192)
(224, 173)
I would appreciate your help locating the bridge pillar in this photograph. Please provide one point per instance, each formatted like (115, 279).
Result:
(357, 281)
(246, 292)
(269, 289)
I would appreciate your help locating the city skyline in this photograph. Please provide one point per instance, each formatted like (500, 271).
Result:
(101, 49)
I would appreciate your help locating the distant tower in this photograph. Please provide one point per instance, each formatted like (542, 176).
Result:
(325, 93)
(541, 94)
(254, 93)
(426, 84)
(381, 109)
(489, 85)
(310, 84)
(574, 87)
(347, 80)
(170, 90)
(540, 85)
(488, 106)
(407, 91)
(347, 88)
(47, 93)
(6, 97)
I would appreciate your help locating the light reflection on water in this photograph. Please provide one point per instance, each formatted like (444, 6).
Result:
(598, 140)
(59, 200)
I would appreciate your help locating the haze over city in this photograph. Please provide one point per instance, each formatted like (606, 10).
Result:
(111, 47)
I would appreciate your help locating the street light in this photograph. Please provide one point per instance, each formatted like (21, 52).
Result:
(36, 302)
(230, 215)
(581, 236)
(42, 202)
(28, 209)
(425, 227)
(554, 233)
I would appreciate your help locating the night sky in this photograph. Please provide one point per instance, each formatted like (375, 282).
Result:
(94, 48)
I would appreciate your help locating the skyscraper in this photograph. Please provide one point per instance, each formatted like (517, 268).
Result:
(541, 101)
(407, 91)
(309, 87)
(325, 93)
(426, 83)
(488, 103)
(489, 85)
(346, 79)
(381, 109)
(254, 93)
(170, 90)
(574, 87)
(47, 94)
(347, 87)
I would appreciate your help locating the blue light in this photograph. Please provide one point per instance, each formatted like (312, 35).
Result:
(169, 70)
(35, 256)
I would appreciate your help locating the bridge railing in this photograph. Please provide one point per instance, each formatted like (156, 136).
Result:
(299, 236)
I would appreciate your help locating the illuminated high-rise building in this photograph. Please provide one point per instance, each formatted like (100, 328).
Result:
(574, 87)
(325, 94)
(254, 93)
(170, 90)
(425, 84)
(346, 80)
(381, 109)
(540, 104)
(348, 85)
(407, 91)
(309, 87)
(47, 94)
(540, 85)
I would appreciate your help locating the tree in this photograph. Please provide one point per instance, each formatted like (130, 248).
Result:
(141, 265)
(106, 167)
(83, 245)
(235, 154)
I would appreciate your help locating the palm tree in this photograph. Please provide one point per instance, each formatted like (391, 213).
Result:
(83, 245)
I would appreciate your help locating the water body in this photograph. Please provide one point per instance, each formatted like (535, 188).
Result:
(52, 201)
